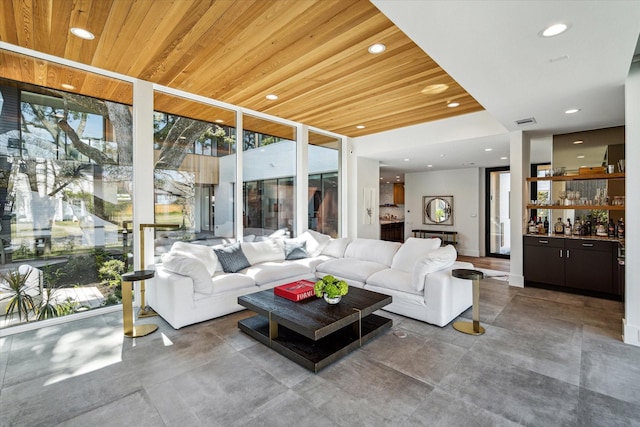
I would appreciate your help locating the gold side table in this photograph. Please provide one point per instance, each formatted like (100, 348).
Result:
(127, 304)
(472, 328)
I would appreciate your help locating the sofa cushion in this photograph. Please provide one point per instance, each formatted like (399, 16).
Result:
(294, 250)
(411, 251)
(377, 251)
(188, 265)
(391, 278)
(350, 268)
(203, 253)
(311, 263)
(264, 251)
(268, 272)
(225, 282)
(436, 260)
(232, 258)
(336, 247)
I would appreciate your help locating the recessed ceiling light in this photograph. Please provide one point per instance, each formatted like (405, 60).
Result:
(443, 155)
(67, 86)
(387, 182)
(581, 156)
(360, 127)
(572, 111)
(82, 33)
(381, 178)
(503, 158)
(578, 141)
(453, 104)
(429, 166)
(406, 160)
(219, 121)
(271, 97)
(397, 176)
(435, 89)
(488, 149)
(377, 48)
(554, 30)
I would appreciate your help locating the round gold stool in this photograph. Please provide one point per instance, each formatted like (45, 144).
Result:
(472, 328)
(127, 304)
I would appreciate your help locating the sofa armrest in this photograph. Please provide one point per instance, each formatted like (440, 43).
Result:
(446, 296)
(168, 290)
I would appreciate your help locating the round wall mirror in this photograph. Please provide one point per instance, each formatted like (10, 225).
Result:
(438, 210)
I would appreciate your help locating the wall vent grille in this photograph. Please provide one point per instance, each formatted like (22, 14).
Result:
(525, 122)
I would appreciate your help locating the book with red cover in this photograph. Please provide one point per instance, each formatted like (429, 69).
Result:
(295, 291)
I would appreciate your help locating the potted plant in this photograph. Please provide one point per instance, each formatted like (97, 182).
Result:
(14, 290)
(331, 289)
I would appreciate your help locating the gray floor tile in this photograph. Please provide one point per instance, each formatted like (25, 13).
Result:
(444, 410)
(596, 410)
(517, 394)
(134, 409)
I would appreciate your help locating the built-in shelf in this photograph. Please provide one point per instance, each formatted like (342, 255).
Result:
(586, 207)
(577, 177)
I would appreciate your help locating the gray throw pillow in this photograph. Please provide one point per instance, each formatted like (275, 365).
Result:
(295, 250)
(232, 258)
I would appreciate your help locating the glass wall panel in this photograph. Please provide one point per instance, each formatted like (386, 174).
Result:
(269, 169)
(324, 188)
(194, 146)
(65, 196)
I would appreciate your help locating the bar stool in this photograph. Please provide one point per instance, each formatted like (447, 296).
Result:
(472, 328)
(127, 304)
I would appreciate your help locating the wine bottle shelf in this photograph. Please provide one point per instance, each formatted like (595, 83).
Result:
(577, 177)
(577, 207)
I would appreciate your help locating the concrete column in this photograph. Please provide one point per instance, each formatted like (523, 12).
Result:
(631, 322)
(520, 165)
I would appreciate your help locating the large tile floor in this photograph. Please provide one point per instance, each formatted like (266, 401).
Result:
(547, 359)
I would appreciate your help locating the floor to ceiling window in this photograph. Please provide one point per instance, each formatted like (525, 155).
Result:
(269, 170)
(324, 186)
(194, 170)
(65, 196)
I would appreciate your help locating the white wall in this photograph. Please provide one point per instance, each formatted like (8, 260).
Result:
(632, 201)
(464, 186)
(368, 179)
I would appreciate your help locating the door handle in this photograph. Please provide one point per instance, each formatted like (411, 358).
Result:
(543, 241)
(567, 253)
(560, 253)
(587, 245)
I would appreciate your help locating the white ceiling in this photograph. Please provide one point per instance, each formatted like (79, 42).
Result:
(492, 48)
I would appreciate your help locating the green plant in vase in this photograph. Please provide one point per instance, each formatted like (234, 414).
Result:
(331, 289)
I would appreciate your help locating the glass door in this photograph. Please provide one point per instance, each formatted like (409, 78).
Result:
(497, 229)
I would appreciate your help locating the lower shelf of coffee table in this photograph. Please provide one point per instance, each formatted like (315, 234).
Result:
(314, 355)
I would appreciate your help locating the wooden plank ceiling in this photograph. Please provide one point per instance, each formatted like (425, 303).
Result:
(311, 53)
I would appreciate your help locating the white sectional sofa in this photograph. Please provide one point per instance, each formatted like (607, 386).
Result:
(190, 285)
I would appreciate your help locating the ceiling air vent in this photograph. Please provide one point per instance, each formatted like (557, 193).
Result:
(525, 122)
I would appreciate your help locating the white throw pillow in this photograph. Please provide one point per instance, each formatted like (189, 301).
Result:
(412, 250)
(268, 250)
(203, 253)
(336, 247)
(315, 242)
(436, 260)
(188, 265)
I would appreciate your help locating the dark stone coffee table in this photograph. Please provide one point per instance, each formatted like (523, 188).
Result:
(311, 332)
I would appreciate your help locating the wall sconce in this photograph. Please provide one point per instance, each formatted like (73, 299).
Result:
(144, 310)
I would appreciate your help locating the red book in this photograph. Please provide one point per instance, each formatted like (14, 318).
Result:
(295, 291)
